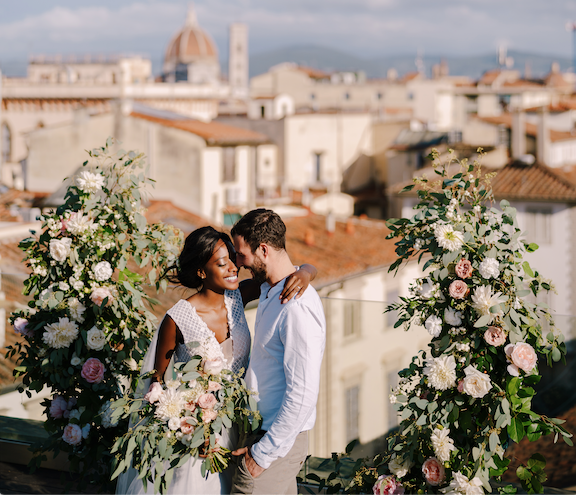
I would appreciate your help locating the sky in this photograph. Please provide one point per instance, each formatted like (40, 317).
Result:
(365, 28)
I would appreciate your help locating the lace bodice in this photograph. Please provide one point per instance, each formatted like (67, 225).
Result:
(194, 329)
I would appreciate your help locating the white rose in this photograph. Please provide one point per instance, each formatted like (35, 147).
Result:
(102, 271)
(60, 248)
(489, 267)
(95, 339)
(174, 423)
(476, 383)
(214, 366)
(399, 468)
(452, 317)
(434, 325)
(75, 361)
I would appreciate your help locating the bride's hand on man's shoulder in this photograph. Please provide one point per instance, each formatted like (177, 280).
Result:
(295, 285)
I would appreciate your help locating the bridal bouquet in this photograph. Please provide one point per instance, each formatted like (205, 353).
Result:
(463, 400)
(184, 419)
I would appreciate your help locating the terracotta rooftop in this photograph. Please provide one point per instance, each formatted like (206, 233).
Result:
(314, 73)
(531, 129)
(168, 213)
(214, 133)
(353, 248)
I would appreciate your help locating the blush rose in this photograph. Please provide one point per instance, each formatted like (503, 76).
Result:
(154, 392)
(494, 336)
(209, 415)
(458, 289)
(521, 356)
(186, 427)
(93, 370)
(58, 407)
(207, 401)
(213, 367)
(387, 485)
(464, 268)
(99, 294)
(213, 386)
(433, 471)
(72, 434)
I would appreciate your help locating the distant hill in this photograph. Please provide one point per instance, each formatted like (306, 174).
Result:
(329, 59)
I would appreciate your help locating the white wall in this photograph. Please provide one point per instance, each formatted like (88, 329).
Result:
(339, 137)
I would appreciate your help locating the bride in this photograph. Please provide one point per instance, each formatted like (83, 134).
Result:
(214, 316)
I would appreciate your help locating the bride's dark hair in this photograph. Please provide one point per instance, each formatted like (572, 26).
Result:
(197, 251)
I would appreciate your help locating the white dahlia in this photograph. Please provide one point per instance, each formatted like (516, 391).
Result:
(89, 182)
(483, 299)
(447, 237)
(461, 484)
(76, 309)
(61, 334)
(442, 443)
(79, 223)
(441, 372)
(170, 405)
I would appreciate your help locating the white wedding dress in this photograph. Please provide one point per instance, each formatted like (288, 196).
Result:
(188, 478)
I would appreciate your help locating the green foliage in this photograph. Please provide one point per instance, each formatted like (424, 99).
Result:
(88, 323)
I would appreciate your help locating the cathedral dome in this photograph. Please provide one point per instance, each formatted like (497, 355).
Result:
(191, 44)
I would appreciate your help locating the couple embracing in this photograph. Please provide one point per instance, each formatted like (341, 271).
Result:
(284, 366)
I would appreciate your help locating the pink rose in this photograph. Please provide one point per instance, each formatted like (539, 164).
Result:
(464, 268)
(72, 434)
(387, 485)
(495, 336)
(213, 386)
(21, 327)
(93, 370)
(521, 357)
(154, 392)
(214, 367)
(186, 427)
(461, 386)
(433, 471)
(458, 289)
(64, 222)
(99, 294)
(209, 415)
(190, 406)
(58, 407)
(207, 401)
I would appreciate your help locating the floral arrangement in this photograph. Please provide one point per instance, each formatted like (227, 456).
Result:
(183, 419)
(88, 325)
(465, 398)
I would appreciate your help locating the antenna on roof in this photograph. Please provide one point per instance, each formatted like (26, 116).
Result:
(191, 19)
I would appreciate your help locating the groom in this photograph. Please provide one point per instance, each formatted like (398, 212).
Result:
(285, 362)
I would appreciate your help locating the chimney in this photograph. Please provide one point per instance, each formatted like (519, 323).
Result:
(309, 237)
(330, 223)
(543, 137)
(518, 140)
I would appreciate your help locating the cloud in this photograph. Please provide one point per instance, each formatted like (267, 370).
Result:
(366, 28)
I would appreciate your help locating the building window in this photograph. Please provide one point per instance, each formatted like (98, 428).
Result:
(312, 96)
(503, 136)
(317, 171)
(538, 225)
(228, 164)
(352, 396)
(379, 95)
(392, 316)
(346, 95)
(262, 111)
(6, 143)
(352, 321)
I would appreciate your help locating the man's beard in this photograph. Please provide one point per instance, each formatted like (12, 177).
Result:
(258, 270)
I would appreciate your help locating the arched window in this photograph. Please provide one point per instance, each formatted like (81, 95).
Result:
(6, 143)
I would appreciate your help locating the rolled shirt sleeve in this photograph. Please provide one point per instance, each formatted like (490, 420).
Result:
(302, 332)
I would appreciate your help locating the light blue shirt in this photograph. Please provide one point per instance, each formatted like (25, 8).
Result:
(285, 368)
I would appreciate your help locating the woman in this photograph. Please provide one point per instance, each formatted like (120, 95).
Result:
(214, 316)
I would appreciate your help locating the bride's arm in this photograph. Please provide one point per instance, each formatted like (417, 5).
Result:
(294, 286)
(168, 336)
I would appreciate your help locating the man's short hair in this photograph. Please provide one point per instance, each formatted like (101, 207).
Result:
(261, 226)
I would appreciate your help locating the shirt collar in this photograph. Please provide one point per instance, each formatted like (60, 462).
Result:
(267, 291)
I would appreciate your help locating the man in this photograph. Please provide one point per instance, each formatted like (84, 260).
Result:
(285, 362)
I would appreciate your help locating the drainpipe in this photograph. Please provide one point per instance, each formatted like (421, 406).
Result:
(543, 137)
(518, 133)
